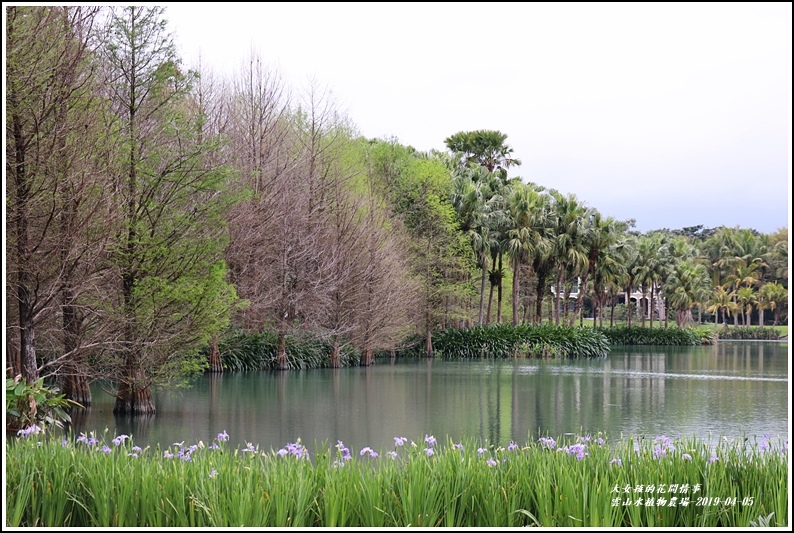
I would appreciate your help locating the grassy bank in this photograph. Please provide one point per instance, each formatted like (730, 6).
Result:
(258, 351)
(587, 481)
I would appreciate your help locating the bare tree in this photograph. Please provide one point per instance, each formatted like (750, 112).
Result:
(55, 156)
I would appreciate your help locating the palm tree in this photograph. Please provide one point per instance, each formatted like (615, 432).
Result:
(526, 238)
(469, 200)
(607, 274)
(646, 272)
(746, 298)
(685, 285)
(567, 241)
(485, 148)
(721, 300)
(777, 257)
(600, 233)
(768, 297)
(627, 250)
(744, 274)
(778, 299)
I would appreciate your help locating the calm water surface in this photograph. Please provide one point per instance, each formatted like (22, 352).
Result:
(733, 389)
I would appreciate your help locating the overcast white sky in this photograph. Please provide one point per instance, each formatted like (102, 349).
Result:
(671, 114)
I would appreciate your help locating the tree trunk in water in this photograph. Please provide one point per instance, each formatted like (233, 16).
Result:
(215, 356)
(281, 356)
(367, 358)
(336, 358)
(428, 343)
(76, 388)
(132, 398)
(75, 383)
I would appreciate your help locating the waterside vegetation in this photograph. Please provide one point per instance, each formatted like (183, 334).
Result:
(92, 481)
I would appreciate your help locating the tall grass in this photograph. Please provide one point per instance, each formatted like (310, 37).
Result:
(637, 335)
(585, 481)
(242, 351)
(504, 340)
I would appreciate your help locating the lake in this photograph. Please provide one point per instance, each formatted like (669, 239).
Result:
(732, 389)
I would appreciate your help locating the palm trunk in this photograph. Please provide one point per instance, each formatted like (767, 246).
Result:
(539, 298)
(557, 295)
(579, 305)
(499, 293)
(628, 306)
(644, 306)
(516, 267)
(482, 294)
(612, 314)
(490, 299)
(736, 315)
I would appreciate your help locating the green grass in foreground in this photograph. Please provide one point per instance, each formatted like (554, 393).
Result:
(88, 482)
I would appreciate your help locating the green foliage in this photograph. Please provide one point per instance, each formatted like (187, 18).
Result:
(33, 404)
(486, 148)
(573, 481)
(503, 340)
(635, 335)
(242, 351)
(751, 333)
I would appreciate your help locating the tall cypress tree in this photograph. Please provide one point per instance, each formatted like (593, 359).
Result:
(169, 248)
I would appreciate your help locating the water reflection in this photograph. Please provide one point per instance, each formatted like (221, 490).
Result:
(731, 389)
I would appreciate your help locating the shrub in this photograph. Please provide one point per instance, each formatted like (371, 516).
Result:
(34, 405)
(635, 335)
(748, 333)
